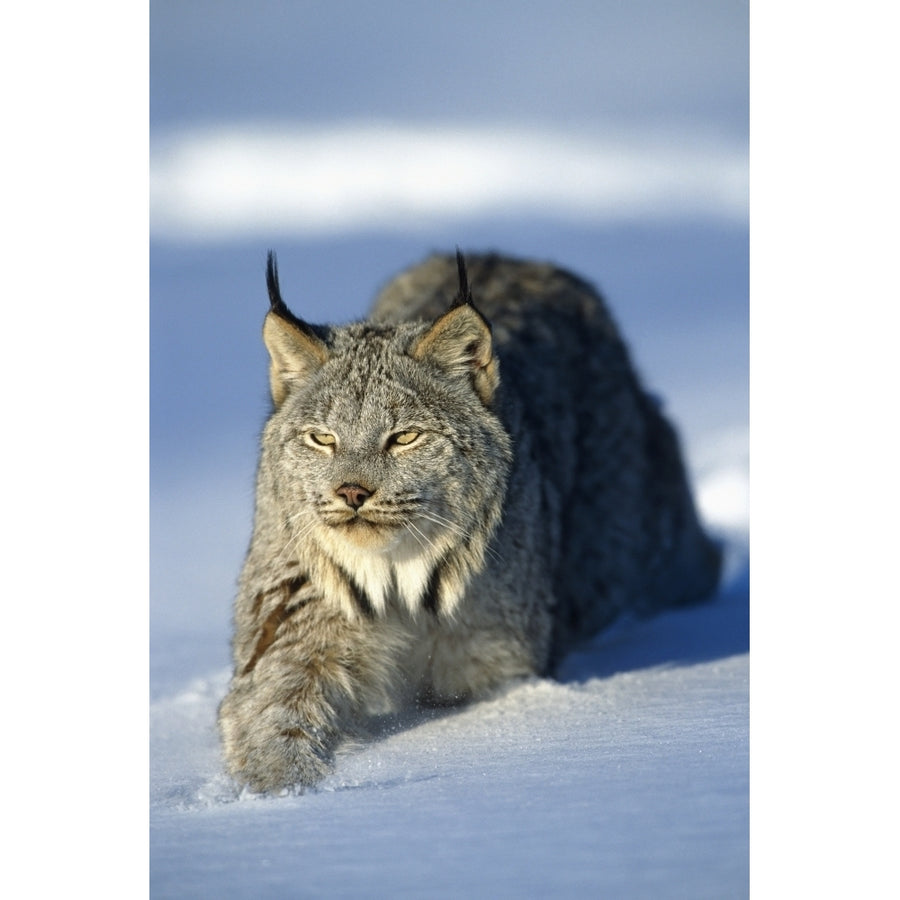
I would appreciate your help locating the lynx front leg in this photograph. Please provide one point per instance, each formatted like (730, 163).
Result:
(311, 677)
(269, 738)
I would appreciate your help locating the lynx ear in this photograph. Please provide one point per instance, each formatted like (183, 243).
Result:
(295, 350)
(460, 343)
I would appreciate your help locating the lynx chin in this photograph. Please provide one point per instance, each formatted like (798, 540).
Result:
(450, 495)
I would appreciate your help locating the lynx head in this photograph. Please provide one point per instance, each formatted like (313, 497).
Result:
(384, 456)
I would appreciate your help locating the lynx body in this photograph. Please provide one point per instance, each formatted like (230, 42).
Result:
(444, 505)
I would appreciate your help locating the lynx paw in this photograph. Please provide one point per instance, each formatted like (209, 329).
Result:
(278, 761)
(272, 748)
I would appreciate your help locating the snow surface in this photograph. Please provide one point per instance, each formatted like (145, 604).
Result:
(627, 778)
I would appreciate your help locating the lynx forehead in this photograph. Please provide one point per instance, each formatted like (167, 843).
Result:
(449, 494)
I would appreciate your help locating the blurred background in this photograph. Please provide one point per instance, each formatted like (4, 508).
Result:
(355, 138)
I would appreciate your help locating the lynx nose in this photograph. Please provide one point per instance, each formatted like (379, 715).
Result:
(354, 495)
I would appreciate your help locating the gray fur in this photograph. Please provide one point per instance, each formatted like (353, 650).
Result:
(518, 491)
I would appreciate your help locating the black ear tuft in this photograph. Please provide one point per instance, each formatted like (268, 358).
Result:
(275, 301)
(465, 295)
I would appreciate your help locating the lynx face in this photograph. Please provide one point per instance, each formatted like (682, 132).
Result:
(373, 447)
(371, 463)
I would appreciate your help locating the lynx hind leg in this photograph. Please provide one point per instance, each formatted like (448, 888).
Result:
(685, 563)
(285, 715)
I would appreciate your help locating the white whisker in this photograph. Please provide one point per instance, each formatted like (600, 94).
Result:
(456, 529)
(416, 534)
(424, 541)
(432, 516)
(295, 539)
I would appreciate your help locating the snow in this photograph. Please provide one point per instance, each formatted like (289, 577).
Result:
(603, 785)
(246, 180)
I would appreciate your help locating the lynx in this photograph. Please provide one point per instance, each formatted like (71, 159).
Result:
(450, 495)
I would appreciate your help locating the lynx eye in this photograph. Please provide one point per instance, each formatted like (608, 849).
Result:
(322, 438)
(404, 438)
